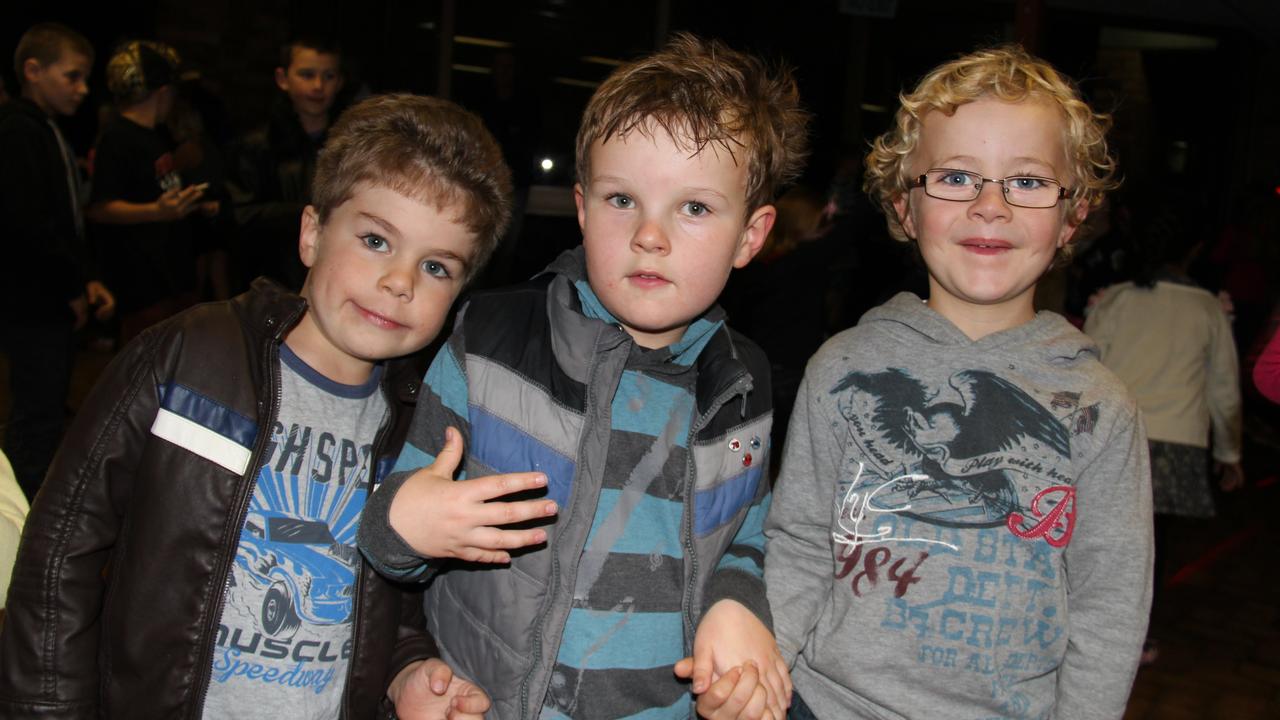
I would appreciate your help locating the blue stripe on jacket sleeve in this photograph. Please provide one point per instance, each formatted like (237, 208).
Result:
(412, 458)
(505, 448)
(208, 413)
(716, 506)
(446, 379)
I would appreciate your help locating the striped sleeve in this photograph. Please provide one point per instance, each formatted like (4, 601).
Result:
(441, 403)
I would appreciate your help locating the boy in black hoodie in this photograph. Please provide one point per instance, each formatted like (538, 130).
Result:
(46, 280)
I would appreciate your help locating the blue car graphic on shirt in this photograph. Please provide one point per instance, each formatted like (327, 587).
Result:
(306, 573)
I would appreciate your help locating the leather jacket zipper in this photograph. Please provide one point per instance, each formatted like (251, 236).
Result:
(248, 482)
(357, 594)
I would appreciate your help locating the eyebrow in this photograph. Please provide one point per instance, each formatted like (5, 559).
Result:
(452, 256)
(385, 224)
(1021, 159)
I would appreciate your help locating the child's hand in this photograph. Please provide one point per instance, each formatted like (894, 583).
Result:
(441, 518)
(428, 690)
(100, 299)
(729, 636)
(176, 204)
(737, 694)
(1232, 476)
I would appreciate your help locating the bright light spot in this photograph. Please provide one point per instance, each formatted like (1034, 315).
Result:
(547, 164)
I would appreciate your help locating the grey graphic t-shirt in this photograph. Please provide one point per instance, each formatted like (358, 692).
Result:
(284, 640)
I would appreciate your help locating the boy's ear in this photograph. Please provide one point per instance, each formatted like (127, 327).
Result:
(903, 210)
(579, 201)
(282, 79)
(31, 69)
(309, 236)
(1075, 218)
(754, 234)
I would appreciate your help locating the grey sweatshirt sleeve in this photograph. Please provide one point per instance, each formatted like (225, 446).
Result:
(1108, 573)
(798, 553)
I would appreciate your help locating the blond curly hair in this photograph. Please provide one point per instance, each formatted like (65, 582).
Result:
(1008, 73)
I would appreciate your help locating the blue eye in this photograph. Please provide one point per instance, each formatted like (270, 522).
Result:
(620, 201)
(956, 178)
(1026, 183)
(696, 209)
(436, 269)
(374, 242)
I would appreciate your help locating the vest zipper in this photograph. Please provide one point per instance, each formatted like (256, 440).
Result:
(741, 386)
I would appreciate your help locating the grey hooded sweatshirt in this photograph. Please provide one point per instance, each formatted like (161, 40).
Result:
(961, 529)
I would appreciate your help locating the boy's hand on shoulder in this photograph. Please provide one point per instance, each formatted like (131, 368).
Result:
(730, 637)
(429, 690)
(441, 518)
(737, 695)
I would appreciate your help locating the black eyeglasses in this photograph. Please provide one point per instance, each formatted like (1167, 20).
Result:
(1027, 191)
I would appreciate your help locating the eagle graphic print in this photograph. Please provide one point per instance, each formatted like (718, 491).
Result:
(969, 481)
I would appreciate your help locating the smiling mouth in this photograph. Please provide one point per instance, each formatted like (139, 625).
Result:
(987, 244)
(379, 320)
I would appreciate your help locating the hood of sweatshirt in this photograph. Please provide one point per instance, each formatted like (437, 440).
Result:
(908, 320)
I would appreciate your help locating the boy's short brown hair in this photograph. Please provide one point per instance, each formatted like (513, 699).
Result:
(1008, 73)
(45, 43)
(701, 91)
(321, 45)
(425, 148)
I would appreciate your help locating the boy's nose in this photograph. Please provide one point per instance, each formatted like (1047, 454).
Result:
(990, 203)
(651, 237)
(399, 282)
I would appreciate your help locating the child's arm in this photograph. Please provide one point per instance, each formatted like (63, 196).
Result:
(171, 205)
(438, 517)
(799, 561)
(1223, 392)
(1108, 575)
(49, 644)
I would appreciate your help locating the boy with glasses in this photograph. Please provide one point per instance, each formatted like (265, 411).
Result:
(962, 525)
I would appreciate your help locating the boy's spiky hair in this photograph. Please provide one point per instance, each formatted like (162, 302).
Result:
(45, 43)
(701, 91)
(1008, 73)
(425, 148)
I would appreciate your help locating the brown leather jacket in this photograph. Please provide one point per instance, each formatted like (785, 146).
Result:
(119, 584)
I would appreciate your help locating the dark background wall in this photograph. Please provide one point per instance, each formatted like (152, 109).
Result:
(1193, 85)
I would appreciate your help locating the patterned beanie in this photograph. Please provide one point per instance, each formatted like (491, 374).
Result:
(140, 67)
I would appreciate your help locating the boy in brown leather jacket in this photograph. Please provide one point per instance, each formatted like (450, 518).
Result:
(192, 552)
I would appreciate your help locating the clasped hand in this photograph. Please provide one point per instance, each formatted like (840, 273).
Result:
(736, 668)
